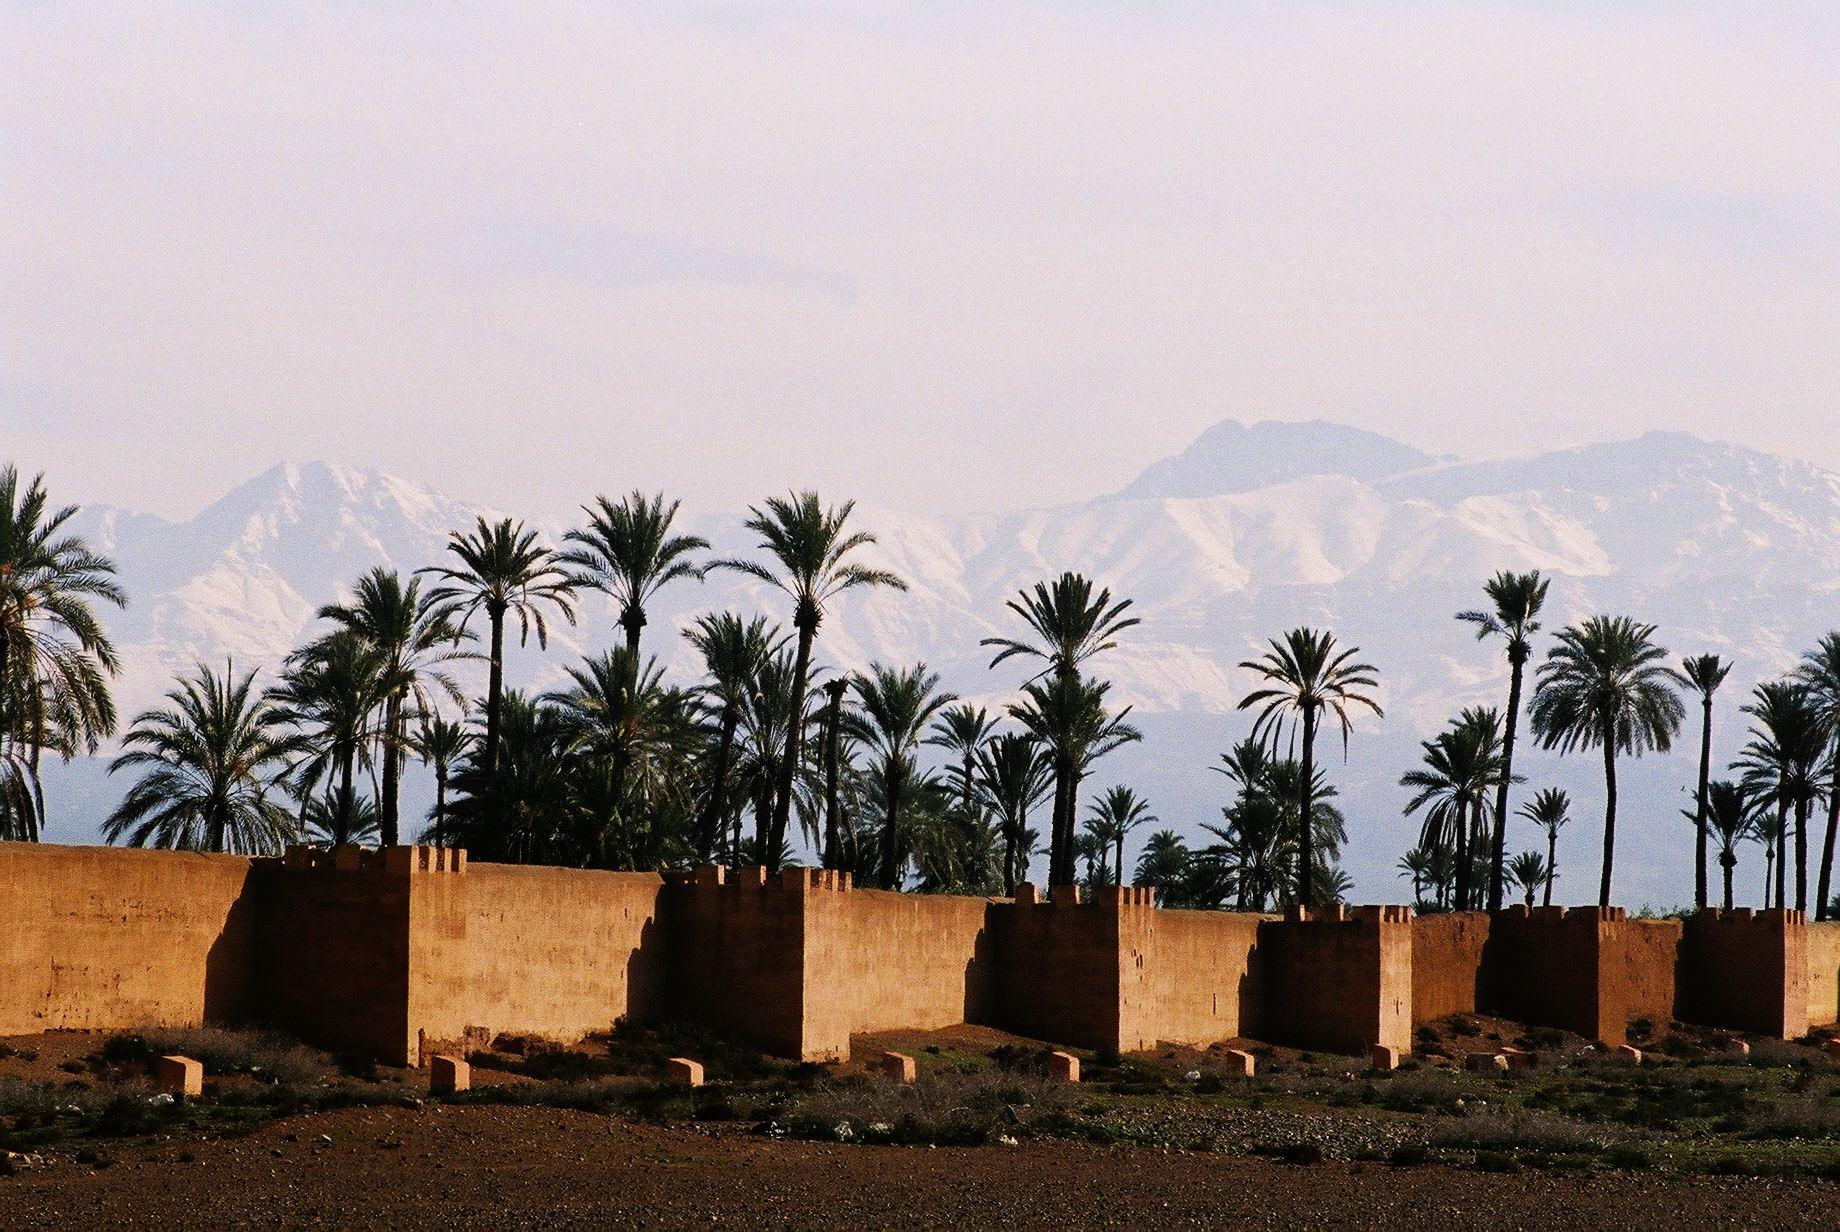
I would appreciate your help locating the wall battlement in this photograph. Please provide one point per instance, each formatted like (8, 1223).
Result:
(398, 951)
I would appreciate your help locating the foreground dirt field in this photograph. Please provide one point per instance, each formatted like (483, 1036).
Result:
(479, 1167)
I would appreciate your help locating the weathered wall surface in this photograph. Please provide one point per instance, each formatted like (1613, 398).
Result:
(1747, 971)
(1058, 965)
(1447, 963)
(333, 933)
(877, 960)
(1643, 956)
(558, 953)
(94, 937)
(735, 958)
(1823, 973)
(1343, 984)
(1197, 984)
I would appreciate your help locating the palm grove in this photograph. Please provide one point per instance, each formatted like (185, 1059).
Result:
(883, 772)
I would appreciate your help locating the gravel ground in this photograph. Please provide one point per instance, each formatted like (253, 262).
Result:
(496, 1167)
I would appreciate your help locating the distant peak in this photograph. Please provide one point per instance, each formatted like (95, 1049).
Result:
(1236, 457)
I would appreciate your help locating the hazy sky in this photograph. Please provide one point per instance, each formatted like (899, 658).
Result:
(981, 253)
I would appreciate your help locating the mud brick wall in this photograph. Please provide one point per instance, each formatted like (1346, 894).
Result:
(1198, 982)
(1448, 952)
(1745, 970)
(92, 938)
(735, 957)
(1337, 980)
(877, 960)
(1058, 965)
(1823, 966)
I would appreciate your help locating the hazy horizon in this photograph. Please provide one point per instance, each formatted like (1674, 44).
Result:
(986, 255)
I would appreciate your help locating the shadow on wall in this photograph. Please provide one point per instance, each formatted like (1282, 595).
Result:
(229, 967)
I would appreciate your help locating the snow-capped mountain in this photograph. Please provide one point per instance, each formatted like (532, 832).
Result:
(1250, 531)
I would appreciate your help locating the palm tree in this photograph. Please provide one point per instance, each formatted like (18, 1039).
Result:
(323, 826)
(618, 709)
(441, 743)
(503, 570)
(1549, 809)
(212, 758)
(962, 731)
(893, 709)
(521, 809)
(413, 635)
(1013, 773)
(1117, 813)
(1703, 674)
(330, 691)
(1067, 714)
(735, 652)
(1163, 865)
(1421, 865)
(1515, 601)
(628, 551)
(1782, 763)
(834, 691)
(55, 659)
(1728, 813)
(808, 543)
(1463, 764)
(1528, 871)
(1069, 622)
(1306, 674)
(1820, 671)
(1603, 686)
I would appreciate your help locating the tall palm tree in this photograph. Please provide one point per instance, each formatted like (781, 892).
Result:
(331, 691)
(1068, 715)
(1703, 674)
(1782, 762)
(1163, 866)
(55, 660)
(894, 707)
(812, 550)
(1820, 671)
(1070, 624)
(1529, 872)
(734, 652)
(1013, 773)
(212, 757)
(441, 743)
(834, 691)
(628, 551)
(1604, 687)
(503, 571)
(1549, 809)
(618, 709)
(1462, 765)
(413, 635)
(1729, 812)
(1306, 674)
(1117, 813)
(962, 731)
(1515, 600)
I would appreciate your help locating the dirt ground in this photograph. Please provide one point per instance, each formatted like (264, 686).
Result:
(497, 1167)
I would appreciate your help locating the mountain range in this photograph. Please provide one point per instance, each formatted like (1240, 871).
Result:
(1251, 530)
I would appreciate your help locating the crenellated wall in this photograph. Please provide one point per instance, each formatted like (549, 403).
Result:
(395, 952)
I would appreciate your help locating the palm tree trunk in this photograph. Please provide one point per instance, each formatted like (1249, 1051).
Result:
(1801, 854)
(1727, 864)
(795, 737)
(633, 621)
(711, 826)
(495, 688)
(1699, 818)
(440, 806)
(1825, 887)
(1782, 852)
(1552, 864)
(1061, 869)
(387, 819)
(1603, 885)
(1518, 662)
(1306, 845)
(347, 798)
(1463, 861)
(1119, 877)
(891, 832)
(1010, 829)
(833, 776)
